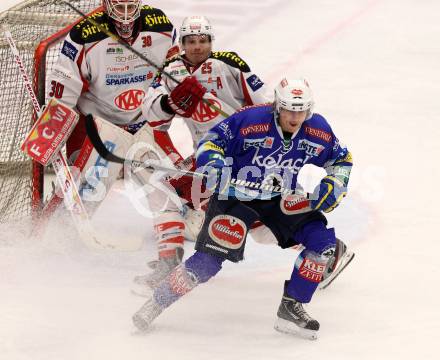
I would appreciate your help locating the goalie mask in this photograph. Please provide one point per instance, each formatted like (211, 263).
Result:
(294, 95)
(195, 25)
(123, 13)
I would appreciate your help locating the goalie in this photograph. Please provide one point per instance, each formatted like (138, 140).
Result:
(95, 75)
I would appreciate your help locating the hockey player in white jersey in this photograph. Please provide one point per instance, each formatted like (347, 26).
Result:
(96, 75)
(225, 80)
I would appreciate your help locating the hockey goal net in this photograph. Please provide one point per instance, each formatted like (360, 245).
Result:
(38, 27)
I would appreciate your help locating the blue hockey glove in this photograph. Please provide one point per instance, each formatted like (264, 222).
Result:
(330, 192)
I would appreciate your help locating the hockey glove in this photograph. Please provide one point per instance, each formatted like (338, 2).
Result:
(213, 169)
(330, 192)
(185, 97)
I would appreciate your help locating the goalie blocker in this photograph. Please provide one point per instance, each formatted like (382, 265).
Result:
(50, 132)
(43, 144)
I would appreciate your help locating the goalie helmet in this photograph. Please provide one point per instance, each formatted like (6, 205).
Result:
(195, 25)
(294, 95)
(123, 13)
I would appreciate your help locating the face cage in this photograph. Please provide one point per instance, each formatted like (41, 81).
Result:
(123, 17)
(125, 31)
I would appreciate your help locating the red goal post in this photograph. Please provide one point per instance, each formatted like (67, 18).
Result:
(38, 28)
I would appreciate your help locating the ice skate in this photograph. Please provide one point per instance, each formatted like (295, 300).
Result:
(293, 319)
(336, 264)
(144, 284)
(143, 318)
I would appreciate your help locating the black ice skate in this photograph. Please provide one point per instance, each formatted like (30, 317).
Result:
(143, 318)
(161, 268)
(293, 319)
(336, 264)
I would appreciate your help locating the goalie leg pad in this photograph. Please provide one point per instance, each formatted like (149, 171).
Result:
(99, 174)
(156, 145)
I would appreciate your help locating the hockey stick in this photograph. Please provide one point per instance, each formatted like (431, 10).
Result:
(64, 176)
(139, 54)
(96, 141)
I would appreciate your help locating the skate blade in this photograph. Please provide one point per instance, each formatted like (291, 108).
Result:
(141, 327)
(288, 327)
(137, 332)
(345, 260)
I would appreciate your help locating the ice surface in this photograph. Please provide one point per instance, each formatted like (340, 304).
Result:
(373, 66)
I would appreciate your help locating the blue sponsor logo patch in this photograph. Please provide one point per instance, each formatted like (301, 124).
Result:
(156, 82)
(69, 50)
(266, 143)
(94, 174)
(116, 80)
(254, 82)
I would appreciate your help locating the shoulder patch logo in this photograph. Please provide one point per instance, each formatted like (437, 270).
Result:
(254, 82)
(231, 59)
(69, 50)
(156, 19)
(318, 133)
(255, 129)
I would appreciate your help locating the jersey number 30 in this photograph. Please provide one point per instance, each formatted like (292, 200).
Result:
(147, 41)
(56, 90)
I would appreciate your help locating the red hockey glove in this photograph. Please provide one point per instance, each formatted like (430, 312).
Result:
(186, 96)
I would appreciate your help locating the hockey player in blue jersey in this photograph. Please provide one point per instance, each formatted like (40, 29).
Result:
(253, 159)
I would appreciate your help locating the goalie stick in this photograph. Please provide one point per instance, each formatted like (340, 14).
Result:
(96, 141)
(140, 55)
(64, 176)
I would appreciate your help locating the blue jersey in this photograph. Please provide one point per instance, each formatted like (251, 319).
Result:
(256, 152)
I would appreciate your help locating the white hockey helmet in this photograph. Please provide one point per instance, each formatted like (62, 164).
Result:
(195, 25)
(294, 95)
(124, 13)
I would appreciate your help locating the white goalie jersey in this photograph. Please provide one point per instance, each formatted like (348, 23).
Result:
(230, 85)
(98, 75)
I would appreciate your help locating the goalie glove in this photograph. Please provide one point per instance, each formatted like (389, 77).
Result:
(330, 192)
(185, 97)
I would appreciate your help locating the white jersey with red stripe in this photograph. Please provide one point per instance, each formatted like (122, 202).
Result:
(229, 82)
(98, 75)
